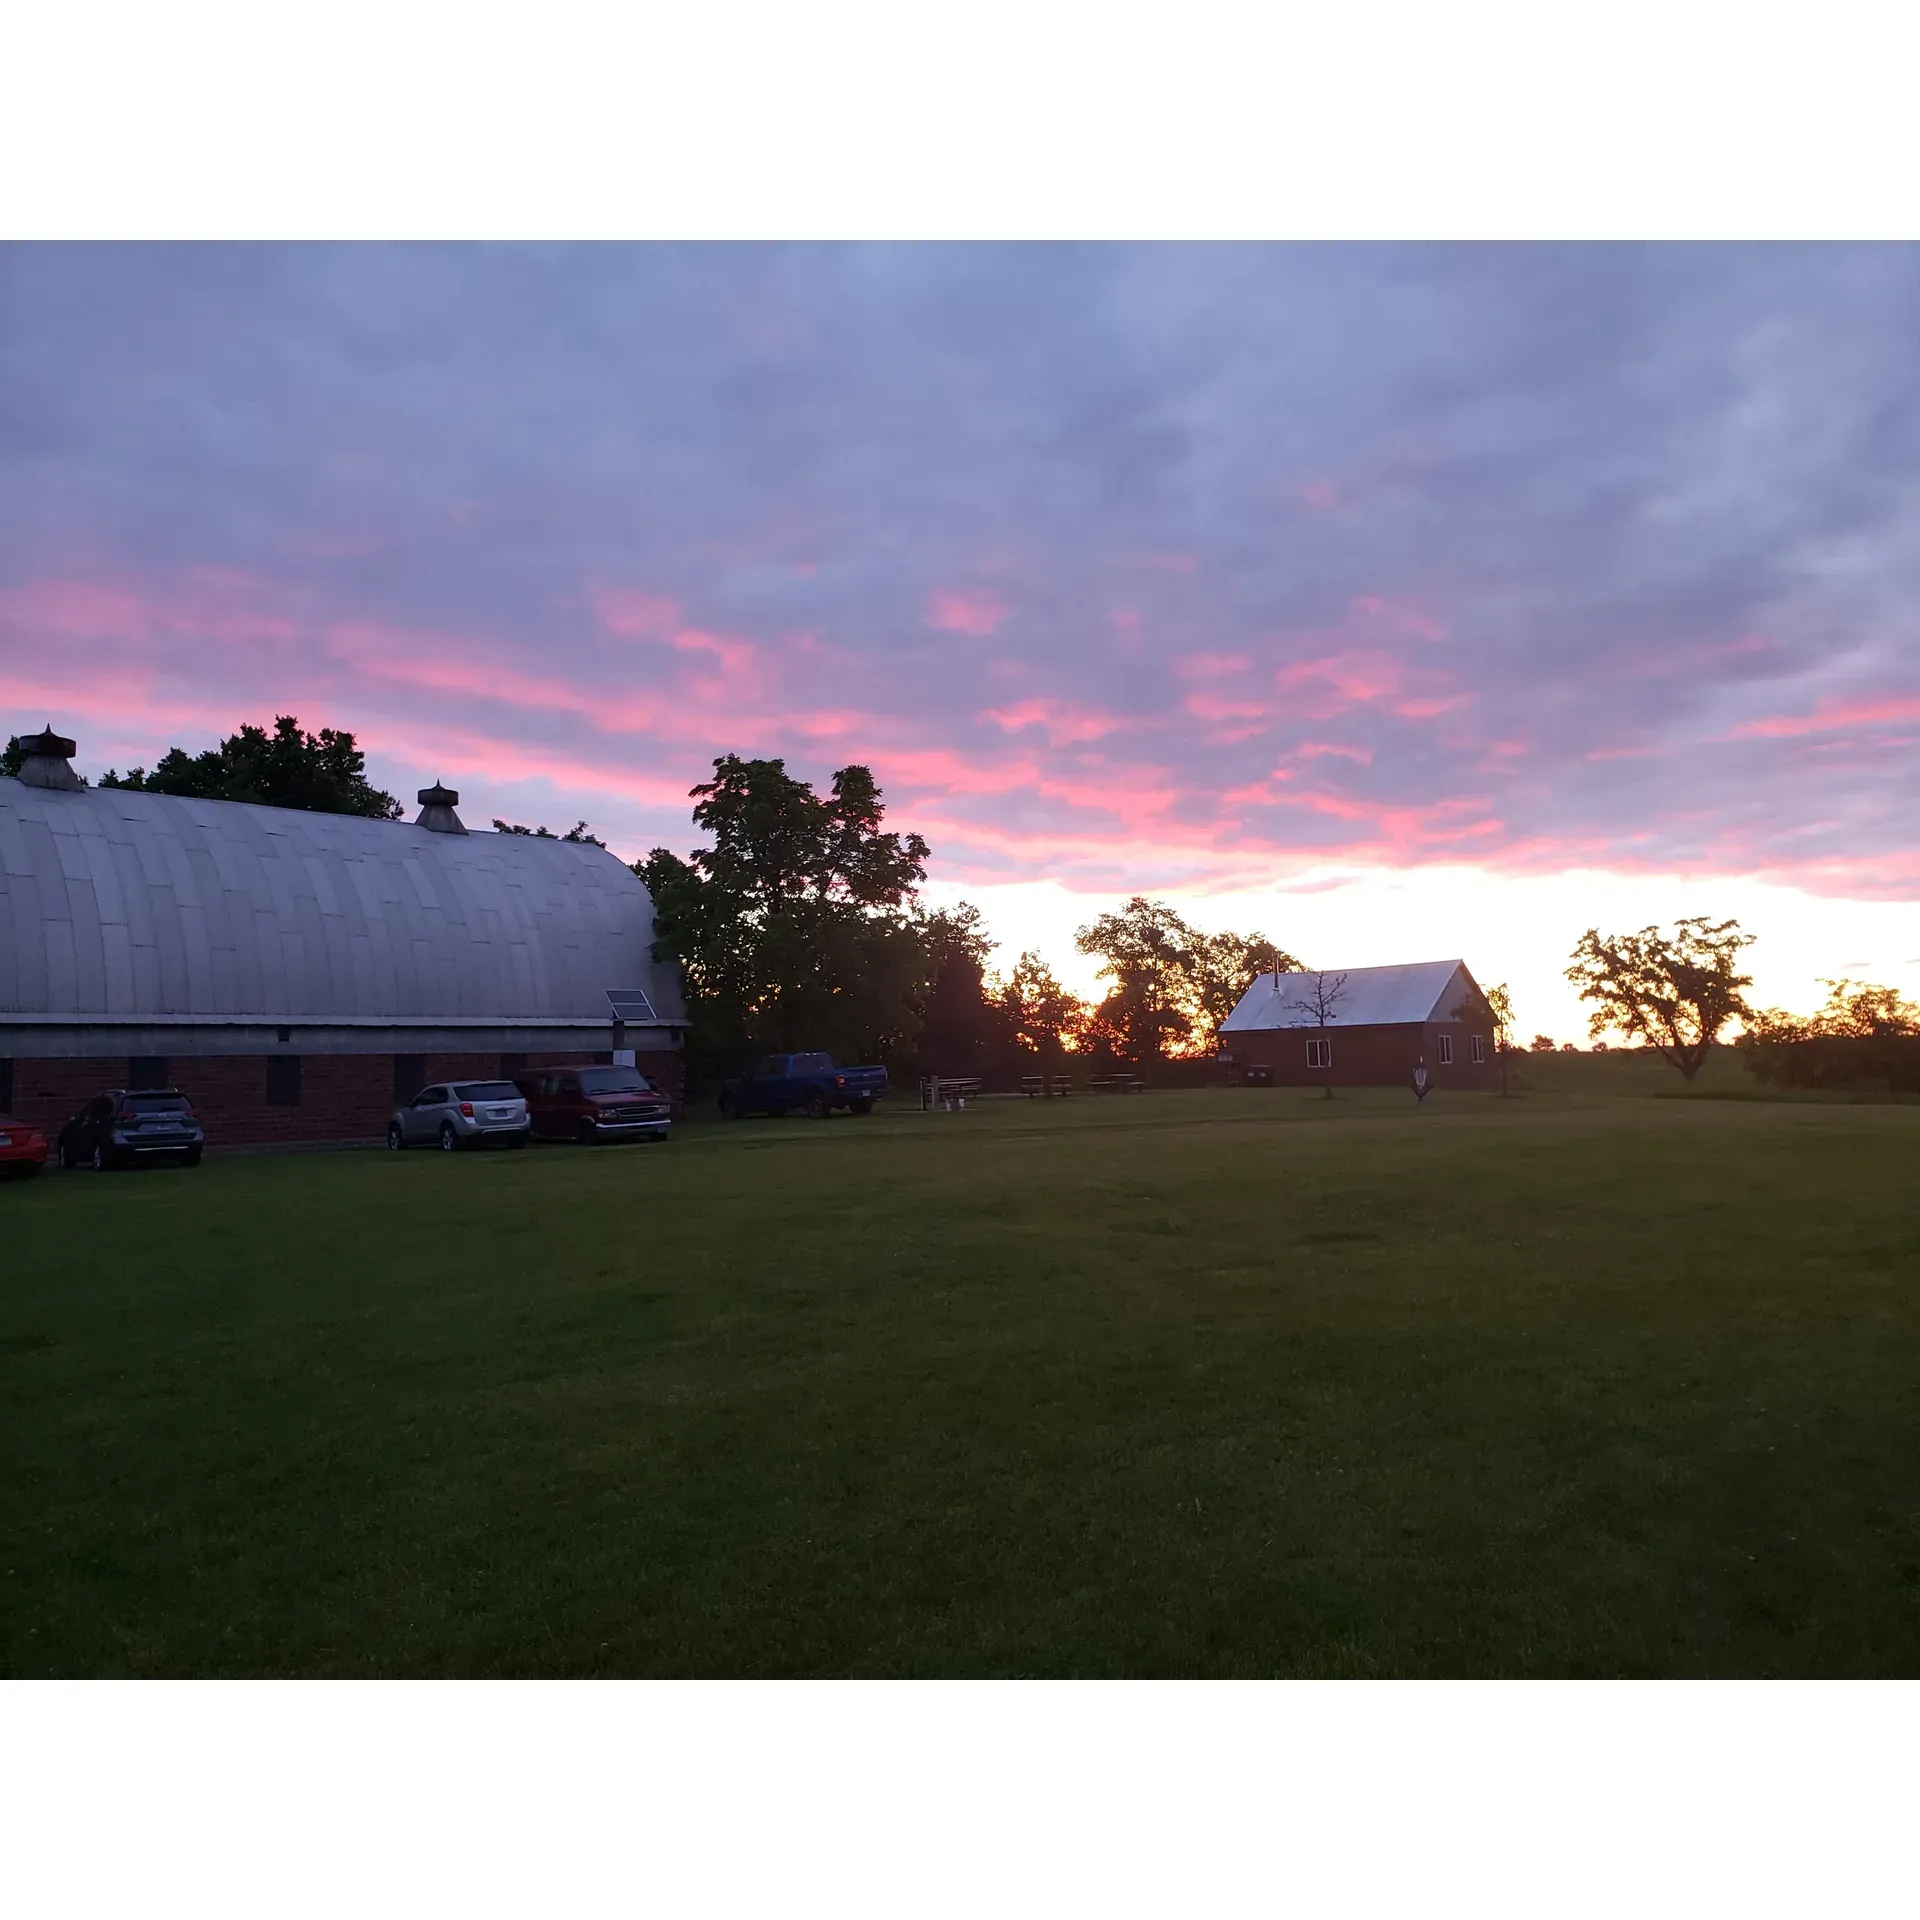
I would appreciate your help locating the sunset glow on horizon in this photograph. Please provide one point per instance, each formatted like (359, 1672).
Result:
(1400, 602)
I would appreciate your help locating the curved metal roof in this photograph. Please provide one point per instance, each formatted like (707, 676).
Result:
(1370, 997)
(123, 906)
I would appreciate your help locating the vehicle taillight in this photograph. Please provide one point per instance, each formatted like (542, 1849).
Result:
(466, 1109)
(839, 1079)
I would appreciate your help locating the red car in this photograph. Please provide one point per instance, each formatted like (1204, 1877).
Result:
(23, 1149)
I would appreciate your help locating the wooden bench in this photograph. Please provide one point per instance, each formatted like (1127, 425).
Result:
(950, 1091)
(1034, 1086)
(1116, 1083)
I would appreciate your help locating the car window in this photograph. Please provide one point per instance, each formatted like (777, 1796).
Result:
(487, 1090)
(813, 1063)
(568, 1084)
(432, 1097)
(98, 1109)
(153, 1103)
(612, 1080)
(773, 1066)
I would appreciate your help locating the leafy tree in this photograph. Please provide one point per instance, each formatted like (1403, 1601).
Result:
(579, 834)
(1316, 1000)
(1494, 1003)
(1863, 1036)
(964, 1029)
(1673, 992)
(1544, 1043)
(1147, 952)
(795, 927)
(1045, 1017)
(1220, 967)
(322, 772)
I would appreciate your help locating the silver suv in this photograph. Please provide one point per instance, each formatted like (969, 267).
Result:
(461, 1113)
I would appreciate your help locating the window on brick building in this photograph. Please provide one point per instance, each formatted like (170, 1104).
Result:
(1477, 1049)
(512, 1063)
(6, 1086)
(409, 1076)
(146, 1074)
(283, 1079)
(1446, 1049)
(1319, 1053)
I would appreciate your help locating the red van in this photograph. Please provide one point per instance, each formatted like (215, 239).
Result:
(586, 1104)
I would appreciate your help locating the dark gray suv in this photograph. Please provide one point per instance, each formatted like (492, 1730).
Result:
(461, 1113)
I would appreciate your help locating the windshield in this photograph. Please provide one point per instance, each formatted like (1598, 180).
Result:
(613, 1080)
(153, 1103)
(487, 1090)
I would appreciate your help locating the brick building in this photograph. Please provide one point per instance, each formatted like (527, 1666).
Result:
(1380, 1023)
(294, 974)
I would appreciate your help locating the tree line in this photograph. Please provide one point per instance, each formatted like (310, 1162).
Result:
(800, 925)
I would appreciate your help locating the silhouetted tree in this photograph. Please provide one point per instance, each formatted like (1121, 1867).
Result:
(1043, 1014)
(795, 928)
(322, 772)
(1863, 1036)
(579, 834)
(1673, 992)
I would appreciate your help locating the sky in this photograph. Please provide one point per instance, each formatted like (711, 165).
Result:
(1398, 602)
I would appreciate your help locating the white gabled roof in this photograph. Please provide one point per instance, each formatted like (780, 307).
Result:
(1373, 997)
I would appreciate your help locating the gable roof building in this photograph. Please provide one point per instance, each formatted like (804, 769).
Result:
(1381, 1022)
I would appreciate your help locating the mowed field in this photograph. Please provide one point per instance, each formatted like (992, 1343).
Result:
(1582, 1382)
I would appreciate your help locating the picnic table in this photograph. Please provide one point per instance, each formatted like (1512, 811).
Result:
(1116, 1083)
(1034, 1085)
(951, 1091)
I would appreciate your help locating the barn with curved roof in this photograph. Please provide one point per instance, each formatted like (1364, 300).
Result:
(295, 972)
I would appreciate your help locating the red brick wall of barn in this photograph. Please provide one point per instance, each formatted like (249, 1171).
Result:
(1369, 1056)
(344, 1097)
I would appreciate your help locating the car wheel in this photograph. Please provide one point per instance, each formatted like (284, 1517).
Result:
(817, 1108)
(395, 1138)
(860, 1106)
(729, 1107)
(100, 1161)
(586, 1135)
(449, 1140)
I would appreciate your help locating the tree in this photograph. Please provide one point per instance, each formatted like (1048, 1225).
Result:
(1146, 949)
(1043, 1014)
(1543, 1043)
(1496, 1004)
(1675, 993)
(1219, 969)
(795, 926)
(1863, 1036)
(322, 772)
(1315, 1002)
(579, 834)
(964, 1029)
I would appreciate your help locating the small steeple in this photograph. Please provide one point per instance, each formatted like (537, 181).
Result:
(437, 805)
(49, 763)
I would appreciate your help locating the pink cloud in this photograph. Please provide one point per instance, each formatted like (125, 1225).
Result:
(1320, 496)
(636, 616)
(952, 611)
(1065, 725)
(1210, 666)
(1829, 716)
(1328, 749)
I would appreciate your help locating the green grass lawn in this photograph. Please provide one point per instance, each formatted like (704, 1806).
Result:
(1584, 1382)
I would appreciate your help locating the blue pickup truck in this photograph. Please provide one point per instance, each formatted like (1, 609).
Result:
(807, 1081)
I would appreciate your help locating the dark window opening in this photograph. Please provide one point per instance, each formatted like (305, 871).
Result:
(6, 1086)
(146, 1074)
(283, 1079)
(409, 1076)
(512, 1063)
